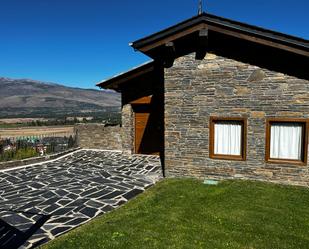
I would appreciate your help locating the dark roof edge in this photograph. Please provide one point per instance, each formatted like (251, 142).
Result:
(187, 23)
(293, 40)
(108, 83)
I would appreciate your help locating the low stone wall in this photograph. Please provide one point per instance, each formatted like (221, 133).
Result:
(98, 136)
(33, 160)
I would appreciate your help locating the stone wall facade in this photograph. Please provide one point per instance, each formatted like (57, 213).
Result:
(98, 136)
(128, 129)
(195, 90)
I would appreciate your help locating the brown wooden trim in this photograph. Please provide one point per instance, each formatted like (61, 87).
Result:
(258, 40)
(173, 37)
(127, 76)
(227, 157)
(305, 123)
(243, 156)
(142, 100)
(225, 31)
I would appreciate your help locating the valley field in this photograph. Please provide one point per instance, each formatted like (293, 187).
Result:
(36, 131)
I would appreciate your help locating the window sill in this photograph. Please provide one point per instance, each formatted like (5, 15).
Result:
(286, 161)
(228, 157)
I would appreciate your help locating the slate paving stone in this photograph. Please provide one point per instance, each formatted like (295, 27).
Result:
(107, 208)
(50, 201)
(112, 195)
(59, 230)
(95, 204)
(30, 205)
(38, 241)
(72, 196)
(155, 169)
(119, 203)
(108, 201)
(14, 219)
(99, 194)
(61, 211)
(116, 178)
(76, 222)
(59, 220)
(132, 193)
(51, 208)
(74, 189)
(88, 192)
(76, 203)
(23, 227)
(64, 202)
(30, 216)
(61, 192)
(105, 174)
(126, 185)
(33, 210)
(101, 180)
(78, 208)
(118, 187)
(37, 185)
(90, 212)
(48, 227)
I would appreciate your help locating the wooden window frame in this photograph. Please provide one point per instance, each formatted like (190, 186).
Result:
(305, 123)
(243, 156)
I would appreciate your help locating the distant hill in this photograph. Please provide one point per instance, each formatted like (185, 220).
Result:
(23, 97)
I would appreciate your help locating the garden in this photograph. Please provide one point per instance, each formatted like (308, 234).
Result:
(185, 213)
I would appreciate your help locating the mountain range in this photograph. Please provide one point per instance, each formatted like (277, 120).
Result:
(25, 97)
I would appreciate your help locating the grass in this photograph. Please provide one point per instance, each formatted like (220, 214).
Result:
(184, 213)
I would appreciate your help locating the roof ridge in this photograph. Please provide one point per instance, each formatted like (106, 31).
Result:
(245, 27)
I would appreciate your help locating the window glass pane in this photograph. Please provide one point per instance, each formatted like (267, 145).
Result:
(227, 139)
(286, 141)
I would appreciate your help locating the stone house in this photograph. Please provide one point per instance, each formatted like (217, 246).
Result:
(220, 99)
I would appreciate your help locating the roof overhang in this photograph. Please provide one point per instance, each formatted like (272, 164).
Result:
(151, 45)
(116, 81)
(207, 31)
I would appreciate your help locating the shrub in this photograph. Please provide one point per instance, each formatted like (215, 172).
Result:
(20, 154)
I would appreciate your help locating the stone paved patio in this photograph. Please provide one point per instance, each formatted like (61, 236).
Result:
(72, 190)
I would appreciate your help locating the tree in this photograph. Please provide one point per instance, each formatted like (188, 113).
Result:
(1, 147)
(71, 142)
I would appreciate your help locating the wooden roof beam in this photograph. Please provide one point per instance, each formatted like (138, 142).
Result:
(169, 54)
(202, 44)
(226, 31)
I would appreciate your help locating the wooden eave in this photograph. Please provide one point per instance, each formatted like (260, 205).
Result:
(149, 45)
(115, 82)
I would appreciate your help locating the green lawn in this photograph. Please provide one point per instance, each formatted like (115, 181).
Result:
(184, 213)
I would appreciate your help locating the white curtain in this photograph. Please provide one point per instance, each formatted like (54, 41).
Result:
(286, 141)
(227, 138)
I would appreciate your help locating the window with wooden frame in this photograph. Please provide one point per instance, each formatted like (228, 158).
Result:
(286, 140)
(228, 138)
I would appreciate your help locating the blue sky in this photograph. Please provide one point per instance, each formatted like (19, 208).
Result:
(80, 42)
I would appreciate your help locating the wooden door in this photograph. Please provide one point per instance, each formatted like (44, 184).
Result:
(141, 120)
(148, 131)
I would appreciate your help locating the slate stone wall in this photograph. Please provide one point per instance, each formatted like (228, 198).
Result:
(218, 86)
(98, 136)
(128, 128)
